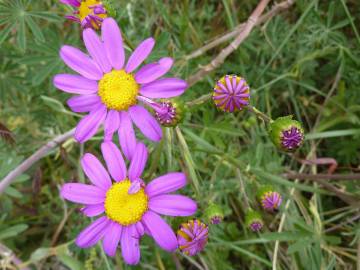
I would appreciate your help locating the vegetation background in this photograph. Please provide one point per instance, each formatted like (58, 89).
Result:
(304, 61)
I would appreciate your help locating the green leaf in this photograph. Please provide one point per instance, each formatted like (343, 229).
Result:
(21, 36)
(70, 262)
(34, 29)
(13, 231)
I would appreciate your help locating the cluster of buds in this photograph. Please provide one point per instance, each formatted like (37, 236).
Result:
(232, 93)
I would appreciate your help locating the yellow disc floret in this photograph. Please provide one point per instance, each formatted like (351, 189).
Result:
(125, 208)
(118, 90)
(86, 10)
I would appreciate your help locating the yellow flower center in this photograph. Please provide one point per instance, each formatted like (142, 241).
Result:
(125, 208)
(85, 10)
(118, 90)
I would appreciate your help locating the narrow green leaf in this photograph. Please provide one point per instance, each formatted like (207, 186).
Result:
(13, 231)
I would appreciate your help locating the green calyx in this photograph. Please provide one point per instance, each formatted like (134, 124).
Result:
(252, 217)
(214, 214)
(281, 125)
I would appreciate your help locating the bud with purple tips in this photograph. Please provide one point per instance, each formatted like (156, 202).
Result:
(286, 133)
(231, 93)
(169, 113)
(214, 214)
(254, 221)
(269, 198)
(192, 237)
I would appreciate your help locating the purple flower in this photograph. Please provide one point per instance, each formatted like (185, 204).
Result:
(192, 237)
(292, 138)
(271, 200)
(231, 93)
(89, 13)
(130, 207)
(110, 90)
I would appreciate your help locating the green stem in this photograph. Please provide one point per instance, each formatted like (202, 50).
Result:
(260, 114)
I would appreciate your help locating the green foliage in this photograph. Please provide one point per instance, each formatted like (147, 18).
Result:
(304, 62)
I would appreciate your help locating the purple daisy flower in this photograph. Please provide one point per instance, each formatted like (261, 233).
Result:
(292, 138)
(231, 93)
(131, 208)
(110, 90)
(192, 237)
(89, 13)
(271, 200)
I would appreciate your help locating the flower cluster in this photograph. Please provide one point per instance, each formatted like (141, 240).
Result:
(116, 93)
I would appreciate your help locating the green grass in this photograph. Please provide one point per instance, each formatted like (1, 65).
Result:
(304, 61)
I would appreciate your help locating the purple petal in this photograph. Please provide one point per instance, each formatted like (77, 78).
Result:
(140, 228)
(112, 124)
(146, 122)
(96, 49)
(165, 184)
(75, 84)
(173, 205)
(95, 171)
(140, 54)
(92, 233)
(127, 137)
(153, 71)
(130, 245)
(113, 43)
(93, 210)
(138, 161)
(81, 193)
(89, 125)
(80, 62)
(135, 187)
(74, 3)
(72, 18)
(112, 238)
(160, 231)
(164, 88)
(83, 103)
(114, 161)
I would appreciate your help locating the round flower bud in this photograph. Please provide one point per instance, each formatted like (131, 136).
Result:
(231, 93)
(287, 134)
(192, 237)
(269, 199)
(214, 214)
(254, 221)
(169, 113)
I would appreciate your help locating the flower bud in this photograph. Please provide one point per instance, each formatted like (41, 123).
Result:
(286, 133)
(269, 198)
(192, 237)
(231, 93)
(214, 214)
(254, 221)
(170, 113)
